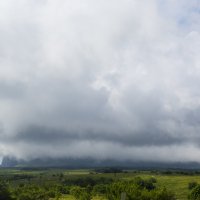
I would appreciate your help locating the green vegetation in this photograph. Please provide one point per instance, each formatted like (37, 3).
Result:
(4, 191)
(100, 184)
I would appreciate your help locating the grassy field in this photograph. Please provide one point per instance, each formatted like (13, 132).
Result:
(177, 183)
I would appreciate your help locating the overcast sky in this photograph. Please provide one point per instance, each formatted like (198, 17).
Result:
(103, 79)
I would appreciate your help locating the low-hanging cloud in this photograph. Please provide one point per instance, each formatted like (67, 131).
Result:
(101, 79)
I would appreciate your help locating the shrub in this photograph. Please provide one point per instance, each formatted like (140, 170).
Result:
(99, 189)
(31, 192)
(192, 185)
(80, 193)
(4, 191)
(137, 189)
(195, 193)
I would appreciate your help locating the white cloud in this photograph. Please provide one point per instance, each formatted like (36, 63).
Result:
(121, 77)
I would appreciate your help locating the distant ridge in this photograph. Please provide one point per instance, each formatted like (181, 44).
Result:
(93, 163)
(9, 162)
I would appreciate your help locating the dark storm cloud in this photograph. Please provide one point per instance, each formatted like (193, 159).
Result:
(44, 135)
(100, 79)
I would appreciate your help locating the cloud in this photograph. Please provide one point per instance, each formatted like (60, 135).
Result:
(100, 79)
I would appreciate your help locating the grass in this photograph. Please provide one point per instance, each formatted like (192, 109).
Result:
(178, 184)
(77, 172)
(69, 197)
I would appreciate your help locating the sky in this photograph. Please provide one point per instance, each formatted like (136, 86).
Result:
(103, 79)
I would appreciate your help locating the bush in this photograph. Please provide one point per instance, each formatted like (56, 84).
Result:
(164, 195)
(137, 189)
(192, 185)
(4, 191)
(153, 180)
(145, 184)
(99, 189)
(195, 193)
(31, 192)
(80, 193)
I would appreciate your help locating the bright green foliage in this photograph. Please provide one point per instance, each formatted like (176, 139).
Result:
(163, 195)
(137, 190)
(99, 189)
(80, 193)
(114, 190)
(31, 192)
(75, 191)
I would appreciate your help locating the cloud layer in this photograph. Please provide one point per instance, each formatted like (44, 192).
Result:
(101, 79)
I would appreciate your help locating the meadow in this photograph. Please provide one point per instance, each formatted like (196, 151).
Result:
(64, 179)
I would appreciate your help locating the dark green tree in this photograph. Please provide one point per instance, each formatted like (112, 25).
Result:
(5, 193)
(195, 193)
(192, 185)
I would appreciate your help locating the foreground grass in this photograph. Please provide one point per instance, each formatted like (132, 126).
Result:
(70, 197)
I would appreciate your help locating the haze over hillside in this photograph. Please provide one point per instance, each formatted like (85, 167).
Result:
(71, 163)
(104, 79)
